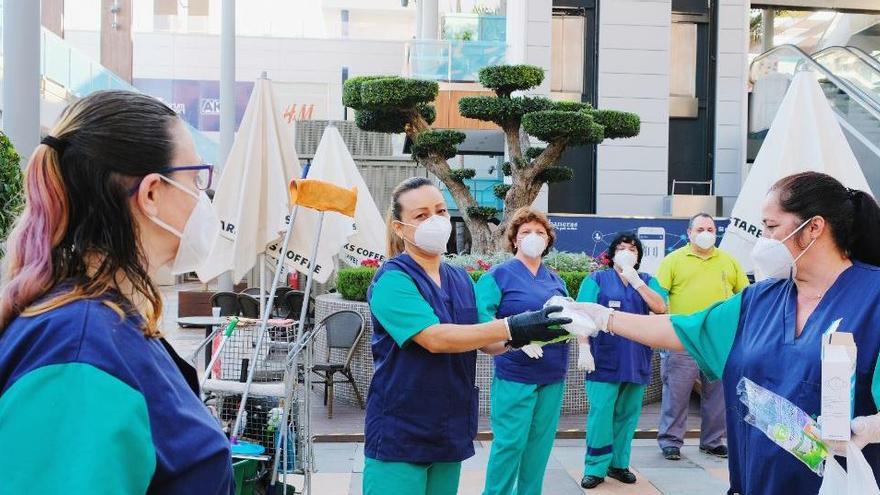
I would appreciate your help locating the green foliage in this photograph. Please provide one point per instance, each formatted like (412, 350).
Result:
(571, 106)
(500, 190)
(562, 261)
(617, 124)
(351, 90)
(461, 174)
(575, 127)
(501, 110)
(476, 274)
(352, 283)
(11, 187)
(505, 169)
(482, 212)
(428, 112)
(555, 174)
(389, 121)
(505, 79)
(396, 92)
(443, 143)
(573, 281)
(533, 152)
(478, 262)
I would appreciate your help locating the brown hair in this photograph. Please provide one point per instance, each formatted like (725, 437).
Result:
(395, 243)
(523, 216)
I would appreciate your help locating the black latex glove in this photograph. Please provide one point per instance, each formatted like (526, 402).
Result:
(535, 325)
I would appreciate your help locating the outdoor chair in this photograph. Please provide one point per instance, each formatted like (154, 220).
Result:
(227, 302)
(250, 306)
(344, 330)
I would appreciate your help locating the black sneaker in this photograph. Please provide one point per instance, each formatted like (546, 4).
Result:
(622, 475)
(719, 451)
(590, 482)
(671, 453)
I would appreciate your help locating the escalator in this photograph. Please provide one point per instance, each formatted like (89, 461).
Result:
(850, 80)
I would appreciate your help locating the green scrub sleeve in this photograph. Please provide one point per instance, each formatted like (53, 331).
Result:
(399, 306)
(708, 335)
(59, 434)
(654, 285)
(488, 298)
(589, 291)
(875, 385)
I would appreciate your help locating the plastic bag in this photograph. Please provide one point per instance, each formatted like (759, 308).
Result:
(784, 423)
(857, 479)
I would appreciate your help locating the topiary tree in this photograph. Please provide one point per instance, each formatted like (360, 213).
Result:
(395, 104)
(11, 188)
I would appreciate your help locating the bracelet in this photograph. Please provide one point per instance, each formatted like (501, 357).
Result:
(608, 325)
(507, 326)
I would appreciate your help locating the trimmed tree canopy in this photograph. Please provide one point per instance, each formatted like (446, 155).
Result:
(351, 90)
(501, 110)
(571, 106)
(505, 79)
(443, 143)
(574, 127)
(397, 92)
(555, 174)
(391, 121)
(618, 124)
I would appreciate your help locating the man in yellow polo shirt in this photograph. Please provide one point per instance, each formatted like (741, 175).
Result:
(696, 276)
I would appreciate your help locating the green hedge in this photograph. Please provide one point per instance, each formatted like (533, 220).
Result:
(391, 121)
(351, 90)
(352, 283)
(505, 79)
(617, 124)
(571, 106)
(11, 188)
(397, 92)
(444, 143)
(576, 127)
(501, 110)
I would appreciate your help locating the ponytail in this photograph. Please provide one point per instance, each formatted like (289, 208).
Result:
(394, 244)
(29, 265)
(864, 243)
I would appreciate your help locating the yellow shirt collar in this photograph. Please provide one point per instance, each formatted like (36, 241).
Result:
(690, 252)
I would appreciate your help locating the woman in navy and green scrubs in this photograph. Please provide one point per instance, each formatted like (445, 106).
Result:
(821, 248)
(623, 367)
(92, 400)
(527, 388)
(422, 405)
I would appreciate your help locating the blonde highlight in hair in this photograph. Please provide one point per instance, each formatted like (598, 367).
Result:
(396, 245)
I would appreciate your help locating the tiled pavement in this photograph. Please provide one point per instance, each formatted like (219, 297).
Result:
(340, 465)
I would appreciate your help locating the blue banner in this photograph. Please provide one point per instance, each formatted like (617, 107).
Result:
(591, 234)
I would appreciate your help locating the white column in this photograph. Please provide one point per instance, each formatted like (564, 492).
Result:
(430, 20)
(21, 74)
(768, 21)
(227, 98)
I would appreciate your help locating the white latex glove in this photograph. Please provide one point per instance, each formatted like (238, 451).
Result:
(587, 319)
(585, 358)
(632, 276)
(533, 351)
(865, 430)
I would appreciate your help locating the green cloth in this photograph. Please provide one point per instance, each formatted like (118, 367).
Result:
(399, 306)
(589, 290)
(405, 478)
(694, 282)
(611, 424)
(524, 420)
(488, 297)
(708, 335)
(57, 420)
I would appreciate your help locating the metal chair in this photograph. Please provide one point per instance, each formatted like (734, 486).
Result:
(227, 302)
(279, 305)
(252, 291)
(250, 306)
(344, 330)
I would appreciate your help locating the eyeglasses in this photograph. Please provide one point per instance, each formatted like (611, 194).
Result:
(204, 176)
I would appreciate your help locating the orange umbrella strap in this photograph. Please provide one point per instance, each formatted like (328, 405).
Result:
(323, 196)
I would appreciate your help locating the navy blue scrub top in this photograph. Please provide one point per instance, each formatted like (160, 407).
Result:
(421, 407)
(509, 289)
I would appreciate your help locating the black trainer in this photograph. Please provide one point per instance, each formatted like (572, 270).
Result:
(671, 453)
(590, 482)
(719, 451)
(623, 475)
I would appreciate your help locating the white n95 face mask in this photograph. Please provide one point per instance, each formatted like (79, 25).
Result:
(199, 234)
(625, 258)
(432, 235)
(773, 260)
(705, 239)
(533, 245)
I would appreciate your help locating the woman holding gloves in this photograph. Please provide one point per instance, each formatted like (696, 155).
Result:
(528, 384)
(422, 406)
(623, 367)
(821, 246)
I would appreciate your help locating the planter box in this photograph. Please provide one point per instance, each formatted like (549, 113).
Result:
(574, 400)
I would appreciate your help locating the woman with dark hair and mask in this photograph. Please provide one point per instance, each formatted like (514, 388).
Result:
(821, 246)
(91, 399)
(422, 406)
(623, 367)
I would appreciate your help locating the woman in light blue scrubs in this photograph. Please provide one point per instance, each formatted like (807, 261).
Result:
(422, 405)
(527, 389)
(623, 367)
(822, 244)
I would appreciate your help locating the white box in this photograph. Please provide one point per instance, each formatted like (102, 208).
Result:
(838, 380)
